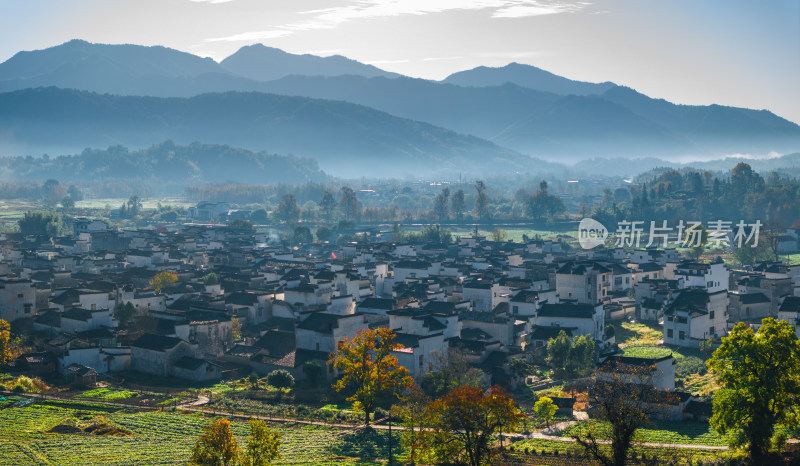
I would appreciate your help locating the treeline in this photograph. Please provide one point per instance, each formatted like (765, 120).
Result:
(700, 196)
(166, 163)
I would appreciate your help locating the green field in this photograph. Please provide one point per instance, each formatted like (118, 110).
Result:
(660, 432)
(636, 334)
(161, 438)
(147, 203)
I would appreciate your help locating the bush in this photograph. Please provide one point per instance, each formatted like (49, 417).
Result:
(280, 379)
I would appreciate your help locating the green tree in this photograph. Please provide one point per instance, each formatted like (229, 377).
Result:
(759, 373)
(302, 235)
(262, 445)
(123, 312)
(545, 409)
(328, 205)
(481, 207)
(440, 205)
(40, 223)
(369, 370)
(324, 233)
(499, 234)
(458, 204)
(5, 339)
(287, 211)
(348, 203)
(241, 225)
(259, 216)
(313, 370)
(280, 379)
(67, 203)
(570, 357)
(134, 205)
(449, 371)
(216, 446)
(210, 278)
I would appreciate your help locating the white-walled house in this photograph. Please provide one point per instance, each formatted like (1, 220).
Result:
(713, 277)
(586, 319)
(17, 299)
(695, 316)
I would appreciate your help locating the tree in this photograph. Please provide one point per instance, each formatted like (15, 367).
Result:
(5, 339)
(163, 279)
(280, 379)
(210, 278)
(123, 313)
(481, 207)
(75, 193)
(348, 203)
(313, 371)
(262, 445)
(216, 445)
(302, 235)
(412, 408)
(499, 234)
(545, 409)
(287, 210)
(449, 371)
(324, 233)
(622, 397)
(369, 370)
(67, 203)
(240, 225)
(134, 205)
(570, 357)
(458, 204)
(328, 205)
(236, 329)
(40, 223)
(461, 424)
(259, 216)
(759, 373)
(440, 207)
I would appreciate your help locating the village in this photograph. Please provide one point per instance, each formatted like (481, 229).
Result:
(207, 303)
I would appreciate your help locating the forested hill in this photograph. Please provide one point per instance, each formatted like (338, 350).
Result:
(167, 162)
(346, 139)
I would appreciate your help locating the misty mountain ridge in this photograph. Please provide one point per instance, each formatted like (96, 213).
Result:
(261, 63)
(346, 139)
(519, 107)
(525, 76)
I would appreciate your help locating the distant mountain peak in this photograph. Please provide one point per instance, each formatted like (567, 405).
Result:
(260, 62)
(528, 76)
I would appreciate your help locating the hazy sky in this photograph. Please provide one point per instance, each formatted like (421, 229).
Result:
(730, 52)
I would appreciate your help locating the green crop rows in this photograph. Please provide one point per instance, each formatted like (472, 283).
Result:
(662, 432)
(158, 438)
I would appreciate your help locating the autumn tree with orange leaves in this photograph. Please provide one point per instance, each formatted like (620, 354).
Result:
(460, 425)
(369, 370)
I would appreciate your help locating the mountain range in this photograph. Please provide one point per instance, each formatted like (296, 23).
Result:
(355, 118)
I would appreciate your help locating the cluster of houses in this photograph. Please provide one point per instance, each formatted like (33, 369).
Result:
(242, 304)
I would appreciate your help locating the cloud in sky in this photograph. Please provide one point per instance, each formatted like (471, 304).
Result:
(211, 1)
(330, 18)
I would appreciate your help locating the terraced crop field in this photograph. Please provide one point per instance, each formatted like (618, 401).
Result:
(663, 432)
(158, 438)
